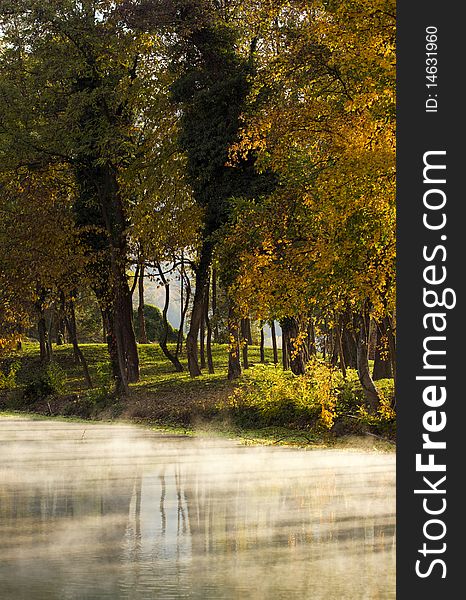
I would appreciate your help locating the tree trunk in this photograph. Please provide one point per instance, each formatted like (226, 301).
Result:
(202, 359)
(370, 391)
(214, 305)
(117, 366)
(42, 331)
(210, 360)
(274, 342)
(51, 312)
(391, 334)
(99, 204)
(244, 342)
(42, 326)
(141, 316)
(296, 347)
(349, 347)
(234, 365)
(311, 334)
(285, 344)
(185, 296)
(173, 358)
(382, 367)
(69, 318)
(248, 331)
(202, 274)
(262, 343)
(341, 354)
(104, 328)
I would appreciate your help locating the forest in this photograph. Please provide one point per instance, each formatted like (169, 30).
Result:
(236, 155)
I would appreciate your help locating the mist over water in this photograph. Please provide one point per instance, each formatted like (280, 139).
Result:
(105, 511)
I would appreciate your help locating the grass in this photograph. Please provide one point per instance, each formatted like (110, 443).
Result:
(166, 400)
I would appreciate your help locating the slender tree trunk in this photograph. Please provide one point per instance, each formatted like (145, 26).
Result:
(42, 331)
(185, 296)
(244, 342)
(391, 334)
(248, 331)
(234, 365)
(311, 337)
(274, 342)
(173, 358)
(370, 391)
(122, 307)
(214, 304)
(296, 350)
(117, 366)
(341, 354)
(42, 325)
(262, 343)
(50, 333)
(104, 328)
(69, 317)
(210, 360)
(202, 359)
(382, 365)
(349, 346)
(141, 316)
(285, 348)
(202, 274)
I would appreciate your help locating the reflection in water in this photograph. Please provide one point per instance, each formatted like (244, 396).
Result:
(102, 511)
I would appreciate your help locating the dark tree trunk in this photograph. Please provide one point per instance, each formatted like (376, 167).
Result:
(117, 366)
(244, 342)
(214, 305)
(274, 342)
(370, 391)
(382, 365)
(124, 329)
(341, 354)
(61, 331)
(42, 326)
(185, 296)
(234, 365)
(202, 359)
(311, 338)
(296, 348)
(104, 328)
(333, 350)
(262, 343)
(173, 358)
(248, 331)
(285, 345)
(210, 360)
(141, 316)
(391, 334)
(202, 275)
(43, 346)
(50, 333)
(99, 192)
(349, 346)
(69, 318)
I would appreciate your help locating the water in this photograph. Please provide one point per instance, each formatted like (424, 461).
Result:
(105, 511)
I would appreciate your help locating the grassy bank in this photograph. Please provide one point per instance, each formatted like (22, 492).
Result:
(264, 406)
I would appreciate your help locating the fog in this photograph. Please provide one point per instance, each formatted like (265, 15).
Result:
(109, 511)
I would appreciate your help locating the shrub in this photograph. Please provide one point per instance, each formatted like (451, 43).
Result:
(267, 395)
(8, 379)
(44, 382)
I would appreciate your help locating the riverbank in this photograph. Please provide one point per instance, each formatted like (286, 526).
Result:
(206, 406)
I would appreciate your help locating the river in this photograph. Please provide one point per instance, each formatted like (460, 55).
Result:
(97, 511)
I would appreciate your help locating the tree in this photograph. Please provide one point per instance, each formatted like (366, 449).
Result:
(321, 116)
(211, 91)
(73, 75)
